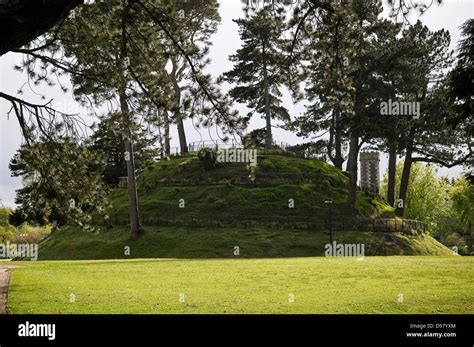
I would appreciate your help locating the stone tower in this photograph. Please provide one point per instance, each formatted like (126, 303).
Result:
(369, 170)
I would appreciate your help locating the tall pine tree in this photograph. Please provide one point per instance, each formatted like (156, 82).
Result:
(257, 72)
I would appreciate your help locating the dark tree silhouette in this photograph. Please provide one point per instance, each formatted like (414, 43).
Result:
(21, 21)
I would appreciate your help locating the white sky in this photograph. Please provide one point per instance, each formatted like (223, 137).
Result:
(226, 41)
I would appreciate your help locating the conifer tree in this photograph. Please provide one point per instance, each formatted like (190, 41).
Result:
(116, 53)
(257, 71)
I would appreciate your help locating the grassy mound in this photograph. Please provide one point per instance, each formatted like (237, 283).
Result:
(182, 188)
(181, 242)
(227, 191)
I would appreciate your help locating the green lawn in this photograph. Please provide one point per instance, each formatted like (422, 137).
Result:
(318, 285)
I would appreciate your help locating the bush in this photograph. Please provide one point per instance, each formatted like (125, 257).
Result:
(255, 139)
(309, 149)
(4, 214)
(24, 233)
(207, 158)
(17, 218)
(5, 234)
(30, 238)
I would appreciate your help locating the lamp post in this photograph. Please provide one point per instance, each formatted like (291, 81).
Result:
(329, 202)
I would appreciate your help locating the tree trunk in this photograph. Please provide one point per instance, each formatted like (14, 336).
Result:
(392, 172)
(268, 116)
(338, 158)
(405, 180)
(166, 129)
(349, 162)
(179, 120)
(127, 134)
(182, 136)
(129, 159)
(335, 139)
(352, 168)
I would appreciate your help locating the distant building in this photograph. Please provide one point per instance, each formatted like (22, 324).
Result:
(369, 170)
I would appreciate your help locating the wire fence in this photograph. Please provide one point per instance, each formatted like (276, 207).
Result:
(336, 222)
(232, 143)
(280, 147)
(241, 178)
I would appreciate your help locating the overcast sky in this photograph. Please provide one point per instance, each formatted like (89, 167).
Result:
(225, 42)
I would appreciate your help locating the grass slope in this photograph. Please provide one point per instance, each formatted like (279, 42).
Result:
(185, 242)
(429, 285)
(217, 193)
(225, 191)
